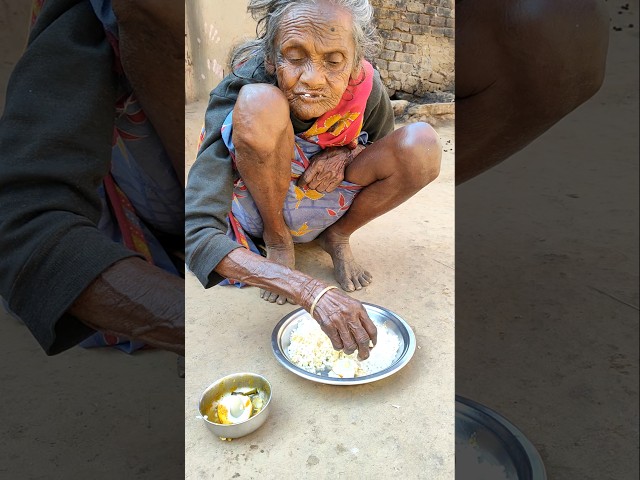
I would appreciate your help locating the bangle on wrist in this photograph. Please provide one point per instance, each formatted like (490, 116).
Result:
(315, 300)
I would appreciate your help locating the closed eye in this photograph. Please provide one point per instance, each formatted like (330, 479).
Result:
(295, 59)
(334, 60)
(333, 65)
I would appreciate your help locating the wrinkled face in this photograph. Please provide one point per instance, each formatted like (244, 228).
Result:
(314, 59)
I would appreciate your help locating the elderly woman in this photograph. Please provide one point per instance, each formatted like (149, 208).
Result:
(299, 144)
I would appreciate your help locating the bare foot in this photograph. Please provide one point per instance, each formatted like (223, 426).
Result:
(283, 254)
(349, 274)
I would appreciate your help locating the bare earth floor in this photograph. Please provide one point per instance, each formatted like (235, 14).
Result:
(547, 245)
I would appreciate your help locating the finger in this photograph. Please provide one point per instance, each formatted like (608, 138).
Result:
(370, 328)
(333, 181)
(349, 344)
(313, 183)
(332, 333)
(281, 300)
(302, 180)
(333, 185)
(321, 180)
(306, 176)
(322, 186)
(362, 339)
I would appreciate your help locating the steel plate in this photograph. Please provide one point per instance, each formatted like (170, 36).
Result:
(487, 441)
(281, 339)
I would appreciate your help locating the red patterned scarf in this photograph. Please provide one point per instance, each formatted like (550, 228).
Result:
(342, 125)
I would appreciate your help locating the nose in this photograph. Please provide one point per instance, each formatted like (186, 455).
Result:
(312, 76)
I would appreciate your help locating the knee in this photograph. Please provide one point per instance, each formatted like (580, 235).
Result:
(559, 50)
(260, 117)
(419, 154)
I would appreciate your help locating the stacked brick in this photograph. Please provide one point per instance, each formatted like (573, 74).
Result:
(417, 54)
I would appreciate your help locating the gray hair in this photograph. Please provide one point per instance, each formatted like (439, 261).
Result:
(269, 15)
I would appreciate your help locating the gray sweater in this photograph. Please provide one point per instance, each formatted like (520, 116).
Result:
(55, 149)
(210, 182)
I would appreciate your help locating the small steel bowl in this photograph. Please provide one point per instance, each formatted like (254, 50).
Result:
(229, 384)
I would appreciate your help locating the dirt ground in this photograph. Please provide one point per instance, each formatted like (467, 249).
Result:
(547, 280)
(324, 431)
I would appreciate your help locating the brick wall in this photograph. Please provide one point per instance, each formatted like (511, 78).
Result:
(417, 55)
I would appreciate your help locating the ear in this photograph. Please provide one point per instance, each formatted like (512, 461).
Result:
(269, 66)
(357, 71)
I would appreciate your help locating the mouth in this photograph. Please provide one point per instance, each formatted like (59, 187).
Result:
(310, 97)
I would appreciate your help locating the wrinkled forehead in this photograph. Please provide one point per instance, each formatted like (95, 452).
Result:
(324, 23)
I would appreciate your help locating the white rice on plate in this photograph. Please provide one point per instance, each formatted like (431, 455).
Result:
(311, 350)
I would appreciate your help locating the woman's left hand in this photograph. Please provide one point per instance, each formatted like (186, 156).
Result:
(326, 171)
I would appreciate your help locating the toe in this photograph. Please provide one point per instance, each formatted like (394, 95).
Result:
(273, 297)
(363, 280)
(347, 286)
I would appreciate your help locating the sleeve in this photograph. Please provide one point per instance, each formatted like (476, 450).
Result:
(209, 193)
(55, 144)
(379, 118)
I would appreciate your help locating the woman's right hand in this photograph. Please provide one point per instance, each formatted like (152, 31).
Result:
(346, 323)
(342, 318)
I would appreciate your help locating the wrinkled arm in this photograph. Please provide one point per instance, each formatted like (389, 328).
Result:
(342, 318)
(136, 300)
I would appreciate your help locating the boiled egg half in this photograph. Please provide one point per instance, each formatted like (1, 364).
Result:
(344, 368)
(234, 409)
